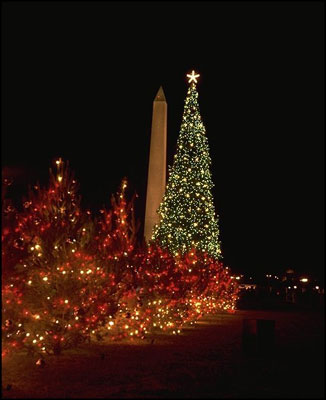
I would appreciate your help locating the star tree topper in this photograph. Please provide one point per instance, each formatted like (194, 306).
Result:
(192, 77)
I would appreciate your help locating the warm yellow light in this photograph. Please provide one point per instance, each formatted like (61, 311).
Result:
(304, 280)
(192, 77)
(59, 178)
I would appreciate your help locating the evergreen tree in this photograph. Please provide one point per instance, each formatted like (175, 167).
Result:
(187, 212)
(114, 249)
(50, 295)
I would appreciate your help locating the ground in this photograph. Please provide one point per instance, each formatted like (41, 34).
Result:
(205, 361)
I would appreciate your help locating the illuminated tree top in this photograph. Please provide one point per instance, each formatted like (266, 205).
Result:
(193, 76)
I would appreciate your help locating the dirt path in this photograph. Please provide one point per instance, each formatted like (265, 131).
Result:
(205, 361)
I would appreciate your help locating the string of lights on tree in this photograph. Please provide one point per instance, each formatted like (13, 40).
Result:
(187, 212)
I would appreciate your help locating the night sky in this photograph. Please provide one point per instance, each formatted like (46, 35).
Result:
(79, 79)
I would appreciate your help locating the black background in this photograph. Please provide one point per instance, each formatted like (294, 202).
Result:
(79, 79)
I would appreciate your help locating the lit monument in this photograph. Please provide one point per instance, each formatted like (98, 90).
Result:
(156, 180)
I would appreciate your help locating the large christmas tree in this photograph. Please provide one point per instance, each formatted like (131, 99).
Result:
(187, 212)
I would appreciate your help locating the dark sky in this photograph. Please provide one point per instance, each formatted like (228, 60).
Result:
(79, 79)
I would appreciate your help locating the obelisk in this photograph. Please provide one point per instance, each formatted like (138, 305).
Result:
(157, 163)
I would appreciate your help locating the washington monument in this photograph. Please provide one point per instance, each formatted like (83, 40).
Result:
(157, 163)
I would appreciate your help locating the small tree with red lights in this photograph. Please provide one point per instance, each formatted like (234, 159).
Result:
(50, 297)
(115, 241)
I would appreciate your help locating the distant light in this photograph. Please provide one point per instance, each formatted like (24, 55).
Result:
(304, 280)
(289, 287)
(317, 287)
(294, 287)
(237, 277)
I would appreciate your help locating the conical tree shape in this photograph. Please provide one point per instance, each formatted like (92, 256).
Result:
(187, 212)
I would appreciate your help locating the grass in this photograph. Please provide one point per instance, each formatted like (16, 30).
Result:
(205, 361)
